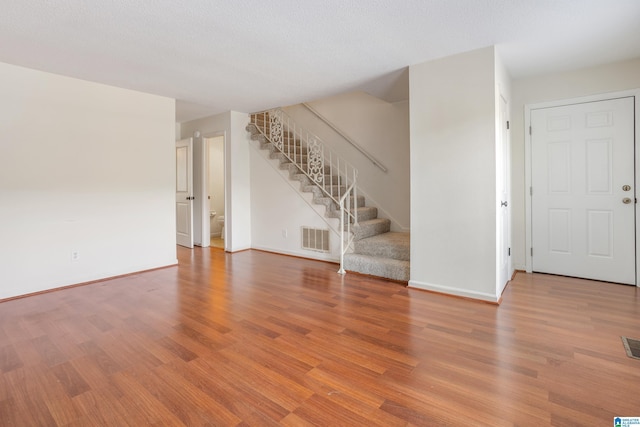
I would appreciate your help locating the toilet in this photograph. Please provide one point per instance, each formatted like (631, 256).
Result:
(212, 221)
(220, 221)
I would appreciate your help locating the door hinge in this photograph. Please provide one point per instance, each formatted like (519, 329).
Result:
(507, 124)
(509, 253)
(530, 131)
(531, 191)
(532, 251)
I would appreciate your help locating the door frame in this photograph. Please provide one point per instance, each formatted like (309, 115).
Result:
(504, 141)
(205, 180)
(528, 157)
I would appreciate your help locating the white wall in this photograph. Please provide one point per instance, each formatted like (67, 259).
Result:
(382, 129)
(603, 79)
(237, 172)
(453, 179)
(279, 211)
(83, 167)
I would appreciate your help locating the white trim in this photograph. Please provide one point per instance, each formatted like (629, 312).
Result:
(501, 130)
(453, 291)
(527, 160)
(316, 256)
(238, 249)
(200, 205)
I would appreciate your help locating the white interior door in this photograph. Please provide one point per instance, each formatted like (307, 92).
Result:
(502, 175)
(583, 195)
(184, 192)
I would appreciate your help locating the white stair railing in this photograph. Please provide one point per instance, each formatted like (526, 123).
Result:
(333, 175)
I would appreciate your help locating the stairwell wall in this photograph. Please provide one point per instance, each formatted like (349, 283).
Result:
(279, 211)
(382, 129)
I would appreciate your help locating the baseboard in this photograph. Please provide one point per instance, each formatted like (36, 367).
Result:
(239, 249)
(88, 282)
(328, 257)
(454, 291)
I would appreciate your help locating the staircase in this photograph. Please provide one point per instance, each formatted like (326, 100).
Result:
(375, 249)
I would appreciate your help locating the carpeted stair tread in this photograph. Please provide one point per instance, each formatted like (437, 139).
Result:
(383, 267)
(388, 245)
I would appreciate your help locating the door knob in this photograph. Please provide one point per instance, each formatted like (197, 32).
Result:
(626, 200)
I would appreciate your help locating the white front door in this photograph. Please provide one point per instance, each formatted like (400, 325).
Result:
(583, 195)
(184, 192)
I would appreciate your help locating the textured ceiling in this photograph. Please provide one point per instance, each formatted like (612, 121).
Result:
(248, 55)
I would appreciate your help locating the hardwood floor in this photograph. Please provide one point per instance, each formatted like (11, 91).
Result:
(259, 339)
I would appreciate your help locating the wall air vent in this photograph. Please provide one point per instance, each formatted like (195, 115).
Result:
(315, 239)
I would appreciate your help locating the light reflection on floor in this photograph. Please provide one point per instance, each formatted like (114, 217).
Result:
(217, 242)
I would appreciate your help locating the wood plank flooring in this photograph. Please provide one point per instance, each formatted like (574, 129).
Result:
(259, 339)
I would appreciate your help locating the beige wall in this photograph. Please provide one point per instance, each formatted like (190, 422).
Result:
(84, 168)
(453, 179)
(590, 81)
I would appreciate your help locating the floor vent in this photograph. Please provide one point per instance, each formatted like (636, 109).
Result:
(315, 239)
(632, 347)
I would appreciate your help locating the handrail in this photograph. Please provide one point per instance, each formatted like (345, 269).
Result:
(335, 177)
(346, 137)
(350, 236)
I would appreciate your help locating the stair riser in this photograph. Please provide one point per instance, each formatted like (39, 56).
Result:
(390, 269)
(364, 230)
(327, 178)
(333, 190)
(380, 250)
(364, 214)
(298, 158)
(349, 204)
(294, 169)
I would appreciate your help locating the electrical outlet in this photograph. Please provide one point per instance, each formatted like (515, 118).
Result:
(75, 255)
(284, 233)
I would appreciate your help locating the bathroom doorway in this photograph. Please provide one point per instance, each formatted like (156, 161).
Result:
(215, 189)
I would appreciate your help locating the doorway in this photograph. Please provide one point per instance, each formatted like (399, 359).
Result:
(215, 189)
(582, 189)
